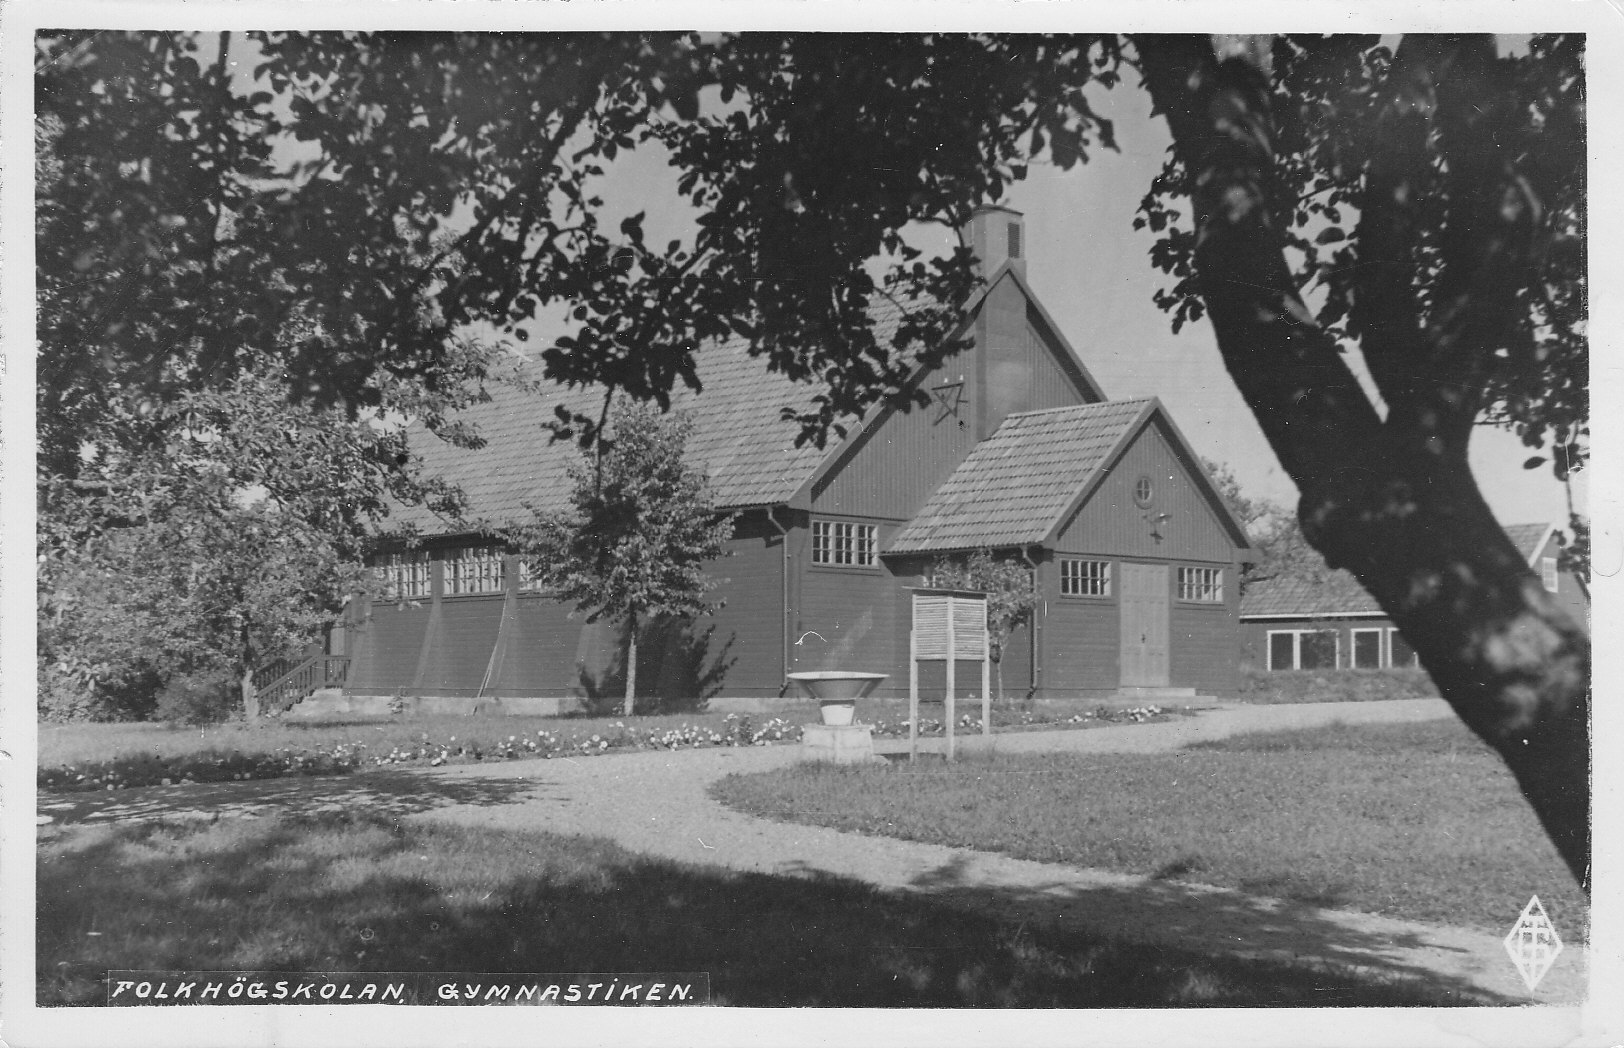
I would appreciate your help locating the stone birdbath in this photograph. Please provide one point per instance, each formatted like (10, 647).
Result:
(837, 691)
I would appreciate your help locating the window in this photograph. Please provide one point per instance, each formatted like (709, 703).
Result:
(1399, 652)
(1085, 578)
(837, 542)
(1014, 240)
(403, 576)
(1547, 573)
(1303, 649)
(1143, 491)
(1367, 649)
(1203, 585)
(473, 570)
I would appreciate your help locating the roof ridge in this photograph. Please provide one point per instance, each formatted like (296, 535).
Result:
(1116, 402)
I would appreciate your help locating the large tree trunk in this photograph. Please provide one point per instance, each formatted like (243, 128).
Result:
(1391, 499)
(631, 663)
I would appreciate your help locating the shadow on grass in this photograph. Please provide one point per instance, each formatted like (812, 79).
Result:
(384, 792)
(1215, 921)
(346, 893)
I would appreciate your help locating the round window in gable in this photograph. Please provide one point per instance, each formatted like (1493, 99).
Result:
(1143, 491)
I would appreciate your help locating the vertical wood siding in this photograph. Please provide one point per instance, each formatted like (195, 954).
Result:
(1206, 645)
(1111, 523)
(444, 646)
(1013, 366)
(852, 618)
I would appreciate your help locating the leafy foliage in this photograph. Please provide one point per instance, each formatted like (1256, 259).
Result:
(641, 527)
(1273, 530)
(1353, 130)
(206, 533)
(1011, 594)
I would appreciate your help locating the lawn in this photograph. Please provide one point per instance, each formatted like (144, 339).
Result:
(1418, 821)
(359, 893)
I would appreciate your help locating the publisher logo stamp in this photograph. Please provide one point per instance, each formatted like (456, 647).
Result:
(1533, 944)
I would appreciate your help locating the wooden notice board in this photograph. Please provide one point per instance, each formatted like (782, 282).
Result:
(949, 626)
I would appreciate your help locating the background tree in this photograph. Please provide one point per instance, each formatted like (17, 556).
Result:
(1273, 530)
(642, 525)
(1010, 589)
(203, 535)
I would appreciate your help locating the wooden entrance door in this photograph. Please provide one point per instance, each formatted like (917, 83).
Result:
(1145, 598)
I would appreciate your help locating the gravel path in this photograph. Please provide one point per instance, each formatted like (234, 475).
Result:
(658, 803)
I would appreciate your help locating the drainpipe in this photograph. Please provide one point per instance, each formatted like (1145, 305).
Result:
(1032, 633)
(783, 628)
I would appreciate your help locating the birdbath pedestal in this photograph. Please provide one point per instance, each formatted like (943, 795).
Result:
(837, 739)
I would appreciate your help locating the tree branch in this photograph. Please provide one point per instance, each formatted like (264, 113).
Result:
(1487, 245)
(1306, 399)
(1386, 311)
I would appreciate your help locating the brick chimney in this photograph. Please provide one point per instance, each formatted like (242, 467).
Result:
(997, 234)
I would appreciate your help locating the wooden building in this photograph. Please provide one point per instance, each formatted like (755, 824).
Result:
(1332, 623)
(1134, 551)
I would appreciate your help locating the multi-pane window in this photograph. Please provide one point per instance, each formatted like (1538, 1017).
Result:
(1367, 649)
(1547, 573)
(475, 569)
(1085, 578)
(1303, 649)
(838, 542)
(1205, 585)
(403, 576)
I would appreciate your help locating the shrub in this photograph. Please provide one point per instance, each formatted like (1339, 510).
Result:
(198, 698)
(1263, 686)
(64, 695)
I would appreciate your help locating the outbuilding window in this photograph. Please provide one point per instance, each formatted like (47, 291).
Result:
(843, 544)
(1367, 649)
(1399, 651)
(1202, 585)
(1548, 575)
(1085, 578)
(1303, 649)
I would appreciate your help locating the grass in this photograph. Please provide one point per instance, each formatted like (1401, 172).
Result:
(116, 756)
(359, 893)
(1265, 688)
(1418, 821)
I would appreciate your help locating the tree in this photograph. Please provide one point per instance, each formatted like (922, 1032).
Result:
(1438, 221)
(1272, 529)
(1011, 595)
(209, 533)
(641, 527)
(1423, 206)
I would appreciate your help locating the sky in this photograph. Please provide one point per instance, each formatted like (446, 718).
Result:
(1092, 272)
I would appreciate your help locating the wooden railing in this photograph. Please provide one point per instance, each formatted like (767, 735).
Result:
(284, 682)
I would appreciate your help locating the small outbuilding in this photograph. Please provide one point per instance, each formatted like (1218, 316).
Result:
(1332, 623)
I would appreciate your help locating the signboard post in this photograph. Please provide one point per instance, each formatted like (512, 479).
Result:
(948, 625)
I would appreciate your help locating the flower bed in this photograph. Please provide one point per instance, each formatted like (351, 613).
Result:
(1009, 720)
(344, 757)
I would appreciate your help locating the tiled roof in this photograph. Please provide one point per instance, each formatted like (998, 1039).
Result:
(1527, 538)
(1339, 593)
(739, 438)
(1012, 487)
